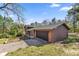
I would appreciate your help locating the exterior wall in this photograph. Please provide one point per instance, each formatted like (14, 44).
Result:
(26, 28)
(50, 36)
(60, 33)
(31, 34)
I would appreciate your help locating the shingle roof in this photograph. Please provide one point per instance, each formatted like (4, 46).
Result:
(48, 26)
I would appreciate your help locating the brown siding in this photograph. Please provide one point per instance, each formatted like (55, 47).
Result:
(60, 33)
(31, 34)
(50, 36)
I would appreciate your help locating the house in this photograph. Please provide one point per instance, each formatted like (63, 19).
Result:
(50, 33)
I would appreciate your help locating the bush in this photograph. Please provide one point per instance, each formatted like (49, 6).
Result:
(4, 35)
(19, 34)
(76, 30)
(71, 39)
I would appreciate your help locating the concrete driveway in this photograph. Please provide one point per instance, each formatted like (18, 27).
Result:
(4, 48)
(12, 46)
(36, 41)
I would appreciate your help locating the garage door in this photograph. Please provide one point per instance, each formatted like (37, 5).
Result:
(42, 35)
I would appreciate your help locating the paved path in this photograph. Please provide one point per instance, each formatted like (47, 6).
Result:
(5, 48)
(12, 46)
(36, 41)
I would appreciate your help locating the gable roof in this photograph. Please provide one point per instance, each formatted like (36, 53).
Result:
(53, 26)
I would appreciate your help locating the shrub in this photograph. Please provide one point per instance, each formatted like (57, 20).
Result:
(4, 35)
(19, 34)
(71, 39)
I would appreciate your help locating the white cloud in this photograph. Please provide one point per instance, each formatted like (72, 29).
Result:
(65, 8)
(55, 5)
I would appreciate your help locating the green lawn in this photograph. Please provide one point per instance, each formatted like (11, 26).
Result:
(47, 50)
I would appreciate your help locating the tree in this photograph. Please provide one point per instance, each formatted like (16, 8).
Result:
(1, 20)
(36, 23)
(9, 22)
(32, 24)
(11, 8)
(1, 23)
(74, 15)
(59, 21)
(45, 22)
(10, 29)
(54, 20)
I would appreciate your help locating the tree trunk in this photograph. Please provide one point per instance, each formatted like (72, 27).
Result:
(4, 25)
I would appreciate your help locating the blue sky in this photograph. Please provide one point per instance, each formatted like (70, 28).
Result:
(44, 11)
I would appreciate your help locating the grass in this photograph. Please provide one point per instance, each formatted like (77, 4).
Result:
(7, 40)
(47, 50)
(3, 41)
(37, 51)
(68, 49)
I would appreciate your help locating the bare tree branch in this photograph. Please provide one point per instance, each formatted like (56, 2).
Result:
(4, 5)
